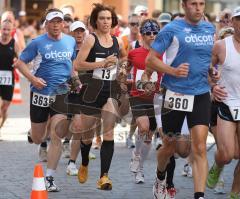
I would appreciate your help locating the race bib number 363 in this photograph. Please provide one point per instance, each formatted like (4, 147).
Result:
(235, 111)
(105, 73)
(179, 102)
(42, 100)
(5, 78)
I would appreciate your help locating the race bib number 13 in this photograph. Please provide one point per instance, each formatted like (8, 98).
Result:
(235, 111)
(42, 100)
(105, 73)
(179, 102)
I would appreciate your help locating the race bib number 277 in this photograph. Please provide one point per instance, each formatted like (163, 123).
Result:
(5, 78)
(179, 102)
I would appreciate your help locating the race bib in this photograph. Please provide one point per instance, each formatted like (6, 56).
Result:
(5, 77)
(235, 111)
(42, 100)
(179, 102)
(139, 83)
(105, 73)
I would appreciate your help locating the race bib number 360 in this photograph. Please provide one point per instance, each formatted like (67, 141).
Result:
(179, 102)
(105, 73)
(42, 100)
(235, 111)
(5, 78)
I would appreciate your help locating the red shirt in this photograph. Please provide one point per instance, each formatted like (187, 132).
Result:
(137, 58)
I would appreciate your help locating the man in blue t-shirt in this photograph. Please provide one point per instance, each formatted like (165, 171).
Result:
(52, 54)
(188, 45)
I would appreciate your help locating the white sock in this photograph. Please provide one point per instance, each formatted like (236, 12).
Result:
(144, 152)
(50, 172)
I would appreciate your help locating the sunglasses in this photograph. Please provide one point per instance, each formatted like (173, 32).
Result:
(151, 33)
(144, 14)
(134, 24)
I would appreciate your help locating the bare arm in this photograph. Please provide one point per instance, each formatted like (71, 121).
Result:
(153, 62)
(38, 83)
(80, 64)
(17, 49)
(214, 75)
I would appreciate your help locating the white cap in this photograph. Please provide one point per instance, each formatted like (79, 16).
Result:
(77, 24)
(54, 14)
(236, 12)
(140, 9)
(22, 13)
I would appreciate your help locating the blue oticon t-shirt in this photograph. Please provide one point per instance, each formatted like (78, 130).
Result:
(52, 60)
(186, 43)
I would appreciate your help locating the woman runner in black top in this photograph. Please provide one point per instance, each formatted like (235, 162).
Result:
(99, 56)
(8, 51)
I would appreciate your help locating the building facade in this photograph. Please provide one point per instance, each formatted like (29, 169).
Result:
(36, 8)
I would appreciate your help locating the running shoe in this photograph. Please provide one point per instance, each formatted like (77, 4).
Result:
(171, 193)
(213, 176)
(234, 195)
(135, 161)
(82, 174)
(129, 143)
(159, 189)
(50, 185)
(139, 177)
(104, 183)
(72, 169)
(219, 188)
(91, 156)
(187, 171)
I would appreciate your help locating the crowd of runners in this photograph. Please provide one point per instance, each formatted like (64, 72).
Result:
(176, 73)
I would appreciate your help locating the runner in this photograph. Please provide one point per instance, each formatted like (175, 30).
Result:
(52, 53)
(99, 56)
(142, 105)
(78, 31)
(226, 54)
(9, 50)
(187, 43)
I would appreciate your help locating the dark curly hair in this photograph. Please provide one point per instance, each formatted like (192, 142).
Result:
(98, 8)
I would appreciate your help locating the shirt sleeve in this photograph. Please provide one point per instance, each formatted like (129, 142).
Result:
(30, 52)
(163, 40)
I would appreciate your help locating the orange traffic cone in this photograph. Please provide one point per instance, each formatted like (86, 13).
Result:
(38, 186)
(17, 98)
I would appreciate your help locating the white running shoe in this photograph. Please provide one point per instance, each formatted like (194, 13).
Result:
(42, 153)
(91, 156)
(187, 171)
(134, 164)
(219, 188)
(72, 169)
(159, 189)
(139, 177)
(66, 150)
(129, 143)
